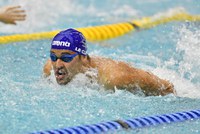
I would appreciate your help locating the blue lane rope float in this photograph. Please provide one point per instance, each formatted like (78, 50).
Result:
(113, 126)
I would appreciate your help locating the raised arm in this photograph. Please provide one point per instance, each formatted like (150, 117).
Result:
(11, 14)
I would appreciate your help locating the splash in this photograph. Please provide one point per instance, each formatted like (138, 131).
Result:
(170, 12)
(187, 77)
(189, 46)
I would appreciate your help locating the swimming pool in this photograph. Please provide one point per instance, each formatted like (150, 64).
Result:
(29, 103)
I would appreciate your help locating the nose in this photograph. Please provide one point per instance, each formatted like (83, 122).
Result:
(59, 63)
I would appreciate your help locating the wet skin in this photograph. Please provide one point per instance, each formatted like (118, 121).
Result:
(65, 71)
(111, 74)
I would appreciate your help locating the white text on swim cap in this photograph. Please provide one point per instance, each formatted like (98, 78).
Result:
(80, 50)
(61, 43)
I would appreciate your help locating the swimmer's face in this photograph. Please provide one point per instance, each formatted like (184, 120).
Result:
(65, 71)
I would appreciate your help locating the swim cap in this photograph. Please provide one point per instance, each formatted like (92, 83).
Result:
(70, 39)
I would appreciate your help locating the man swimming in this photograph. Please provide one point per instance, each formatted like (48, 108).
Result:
(68, 57)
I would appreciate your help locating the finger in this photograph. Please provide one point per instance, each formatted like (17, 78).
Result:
(14, 23)
(18, 16)
(18, 11)
(15, 15)
(13, 7)
(20, 19)
(11, 22)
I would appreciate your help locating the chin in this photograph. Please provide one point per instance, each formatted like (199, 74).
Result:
(63, 82)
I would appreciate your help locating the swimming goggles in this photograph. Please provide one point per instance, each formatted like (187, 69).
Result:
(65, 57)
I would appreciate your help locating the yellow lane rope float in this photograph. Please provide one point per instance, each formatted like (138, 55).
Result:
(104, 32)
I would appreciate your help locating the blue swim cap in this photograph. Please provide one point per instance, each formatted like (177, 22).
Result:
(70, 39)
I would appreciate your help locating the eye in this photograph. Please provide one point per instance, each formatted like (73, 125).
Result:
(66, 58)
(53, 57)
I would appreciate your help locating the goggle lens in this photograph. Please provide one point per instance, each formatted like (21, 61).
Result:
(65, 57)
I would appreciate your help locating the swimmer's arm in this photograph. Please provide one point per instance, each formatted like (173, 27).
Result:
(148, 82)
(47, 68)
(153, 85)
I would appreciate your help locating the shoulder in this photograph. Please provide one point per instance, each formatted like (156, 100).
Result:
(114, 73)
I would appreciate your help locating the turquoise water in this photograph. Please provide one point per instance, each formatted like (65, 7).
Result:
(29, 103)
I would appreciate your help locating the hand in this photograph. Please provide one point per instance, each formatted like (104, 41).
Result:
(11, 14)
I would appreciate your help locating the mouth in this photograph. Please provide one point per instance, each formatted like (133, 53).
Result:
(62, 76)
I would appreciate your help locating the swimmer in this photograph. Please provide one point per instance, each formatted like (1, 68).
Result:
(68, 57)
(11, 14)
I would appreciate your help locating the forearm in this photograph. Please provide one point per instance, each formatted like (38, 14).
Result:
(153, 84)
(47, 69)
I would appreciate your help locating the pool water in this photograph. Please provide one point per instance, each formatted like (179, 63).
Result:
(30, 103)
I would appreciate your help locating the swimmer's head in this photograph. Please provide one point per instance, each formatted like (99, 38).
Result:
(68, 55)
(70, 39)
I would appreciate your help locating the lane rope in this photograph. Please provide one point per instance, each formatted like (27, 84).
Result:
(114, 126)
(109, 31)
